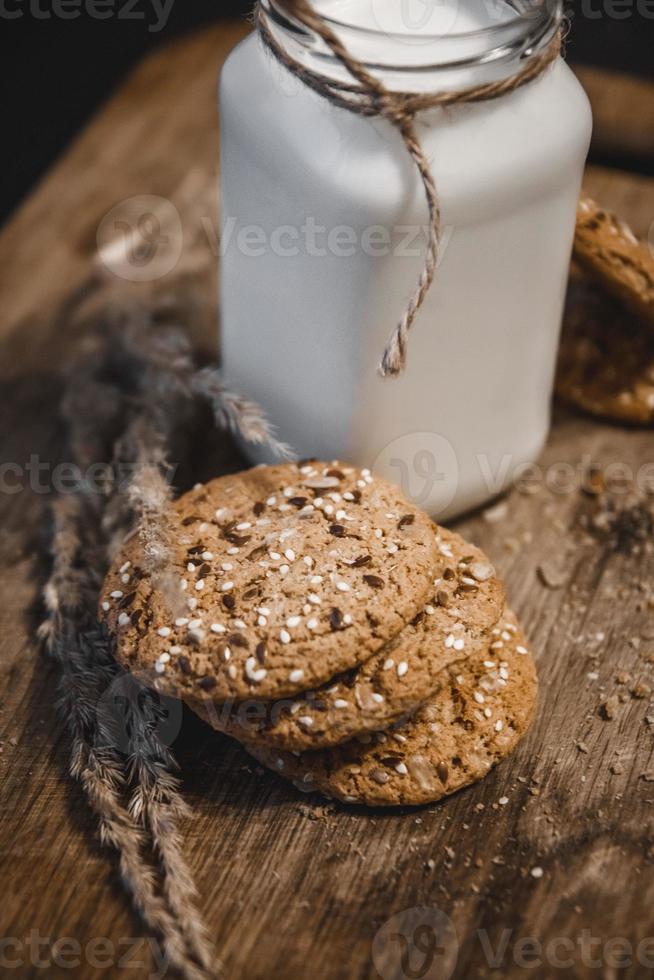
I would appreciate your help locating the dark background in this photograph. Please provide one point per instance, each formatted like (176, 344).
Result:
(55, 72)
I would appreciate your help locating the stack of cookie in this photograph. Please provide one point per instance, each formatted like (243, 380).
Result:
(350, 644)
(606, 362)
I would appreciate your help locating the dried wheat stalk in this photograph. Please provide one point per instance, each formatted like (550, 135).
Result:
(237, 414)
(128, 398)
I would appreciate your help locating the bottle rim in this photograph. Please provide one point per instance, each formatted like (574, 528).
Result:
(491, 51)
(521, 17)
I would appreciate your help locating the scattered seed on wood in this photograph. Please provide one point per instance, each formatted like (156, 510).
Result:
(551, 576)
(497, 513)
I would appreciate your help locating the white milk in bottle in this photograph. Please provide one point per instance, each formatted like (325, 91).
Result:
(324, 233)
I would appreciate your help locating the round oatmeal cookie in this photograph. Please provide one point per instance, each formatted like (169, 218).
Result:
(606, 359)
(467, 601)
(607, 249)
(474, 722)
(277, 579)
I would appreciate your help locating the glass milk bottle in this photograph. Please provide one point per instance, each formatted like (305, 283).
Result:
(324, 237)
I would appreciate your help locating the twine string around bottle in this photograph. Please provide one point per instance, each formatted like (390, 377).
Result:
(367, 95)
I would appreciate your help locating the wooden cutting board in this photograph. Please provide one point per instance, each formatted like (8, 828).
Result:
(293, 889)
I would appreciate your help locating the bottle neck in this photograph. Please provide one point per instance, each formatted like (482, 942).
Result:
(411, 46)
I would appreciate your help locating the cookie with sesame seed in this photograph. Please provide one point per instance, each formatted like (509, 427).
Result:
(280, 577)
(467, 601)
(621, 264)
(475, 720)
(606, 359)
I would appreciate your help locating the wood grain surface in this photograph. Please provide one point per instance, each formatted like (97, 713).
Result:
(623, 107)
(292, 887)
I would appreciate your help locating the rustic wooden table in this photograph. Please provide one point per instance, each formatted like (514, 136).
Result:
(290, 887)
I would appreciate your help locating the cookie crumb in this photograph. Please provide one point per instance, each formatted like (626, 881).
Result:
(609, 708)
(497, 513)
